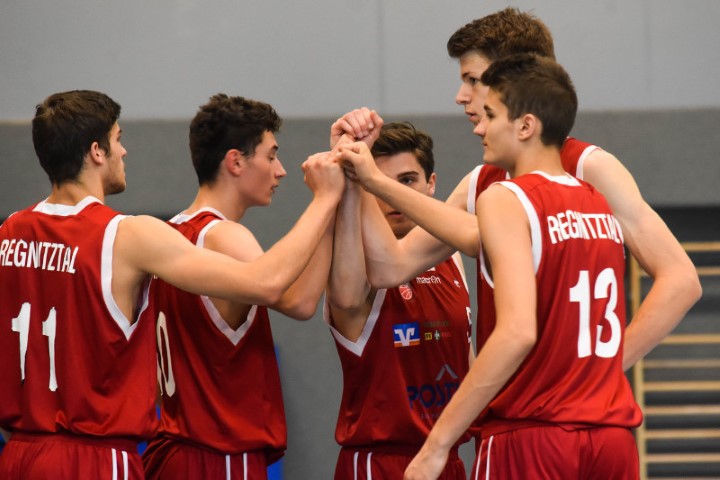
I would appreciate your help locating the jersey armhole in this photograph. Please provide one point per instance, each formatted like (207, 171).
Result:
(358, 346)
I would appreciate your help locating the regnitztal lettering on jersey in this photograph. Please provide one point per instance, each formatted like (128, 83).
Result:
(588, 226)
(43, 255)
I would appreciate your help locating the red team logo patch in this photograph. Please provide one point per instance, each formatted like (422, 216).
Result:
(405, 291)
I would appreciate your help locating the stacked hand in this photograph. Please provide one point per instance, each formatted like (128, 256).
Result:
(323, 175)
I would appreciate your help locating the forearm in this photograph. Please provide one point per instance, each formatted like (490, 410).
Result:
(347, 285)
(675, 288)
(445, 221)
(497, 361)
(389, 261)
(283, 263)
(665, 305)
(301, 299)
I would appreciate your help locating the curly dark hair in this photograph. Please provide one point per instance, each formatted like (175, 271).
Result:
(507, 32)
(225, 123)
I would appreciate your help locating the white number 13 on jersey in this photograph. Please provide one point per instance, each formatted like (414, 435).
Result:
(605, 287)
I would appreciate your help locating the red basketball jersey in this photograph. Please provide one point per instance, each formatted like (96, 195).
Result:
(573, 375)
(408, 362)
(71, 361)
(220, 387)
(572, 155)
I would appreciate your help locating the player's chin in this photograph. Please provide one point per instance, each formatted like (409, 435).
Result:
(115, 188)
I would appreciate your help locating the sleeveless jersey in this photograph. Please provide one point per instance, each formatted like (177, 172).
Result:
(220, 387)
(573, 375)
(572, 155)
(71, 361)
(407, 363)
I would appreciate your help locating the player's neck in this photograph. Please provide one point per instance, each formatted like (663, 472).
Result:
(73, 192)
(539, 158)
(223, 201)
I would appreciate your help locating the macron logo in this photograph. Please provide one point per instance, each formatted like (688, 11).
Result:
(406, 334)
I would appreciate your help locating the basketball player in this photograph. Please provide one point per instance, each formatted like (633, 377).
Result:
(675, 287)
(222, 412)
(549, 379)
(77, 346)
(403, 350)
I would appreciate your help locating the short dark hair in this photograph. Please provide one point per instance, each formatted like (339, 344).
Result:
(503, 33)
(400, 137)
(225, 123)
(65, 125)
(537, 85)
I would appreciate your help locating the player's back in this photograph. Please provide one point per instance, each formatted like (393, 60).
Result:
(72, 362)
(220, 386)
(574, 372)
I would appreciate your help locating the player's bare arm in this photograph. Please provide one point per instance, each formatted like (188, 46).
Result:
(448, 221)
(348, 292)
(676, 286)
(145, 245)
(506, 241)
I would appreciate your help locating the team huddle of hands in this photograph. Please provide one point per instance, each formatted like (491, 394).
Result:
(351, 137)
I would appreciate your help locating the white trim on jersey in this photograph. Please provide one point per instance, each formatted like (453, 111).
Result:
(565, 179)
(106, 280)
(358, 346)
(535, 234)
(233, 335)
(581, 160)
(222, 325)
(461, 268)
(472, 187)
(184, 217)
(64, 210)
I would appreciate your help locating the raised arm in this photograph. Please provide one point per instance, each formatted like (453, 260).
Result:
(390, 261)
(348, 289)
(506, 240)
(301, 299)
(147, 246)
(676, 286)
(448, 221)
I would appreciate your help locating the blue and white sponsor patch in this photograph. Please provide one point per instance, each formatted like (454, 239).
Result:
(406, 334)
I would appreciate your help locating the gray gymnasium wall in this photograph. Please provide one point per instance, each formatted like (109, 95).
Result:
(647, 94)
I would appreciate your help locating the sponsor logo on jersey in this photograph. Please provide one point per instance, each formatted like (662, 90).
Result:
(405, 291)
(435, 331)
(406, 334)
(436, 393)
(431, 280)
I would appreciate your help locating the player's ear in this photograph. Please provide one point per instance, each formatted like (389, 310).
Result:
(234, 162)
(431, 184)
(528, 125)
(96, 153)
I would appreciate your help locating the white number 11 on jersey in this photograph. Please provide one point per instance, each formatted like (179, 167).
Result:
(21, 325)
